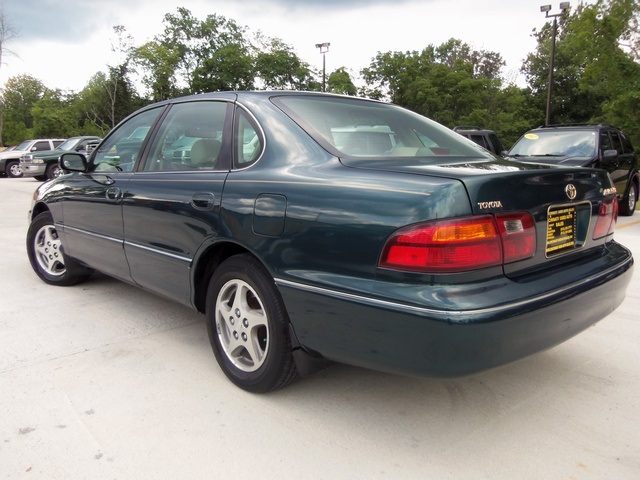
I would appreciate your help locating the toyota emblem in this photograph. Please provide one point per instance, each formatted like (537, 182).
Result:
(571, 191)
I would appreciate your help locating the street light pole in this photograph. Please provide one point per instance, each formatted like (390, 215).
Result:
(564, 8)
(324, 48)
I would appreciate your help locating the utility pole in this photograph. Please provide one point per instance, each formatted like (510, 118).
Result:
(564, 8)
(324, 48)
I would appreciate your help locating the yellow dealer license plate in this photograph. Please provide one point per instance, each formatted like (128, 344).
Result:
(561, 230)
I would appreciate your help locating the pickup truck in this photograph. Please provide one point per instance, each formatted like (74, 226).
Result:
(44, 165)
(482, 136)
(10, 160)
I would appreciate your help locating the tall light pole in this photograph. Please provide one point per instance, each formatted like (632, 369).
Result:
(564, 8)
(324, 48)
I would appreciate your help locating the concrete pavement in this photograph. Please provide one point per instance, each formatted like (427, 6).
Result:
(105, 381)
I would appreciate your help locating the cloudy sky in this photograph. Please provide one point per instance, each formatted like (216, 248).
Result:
(64, 42)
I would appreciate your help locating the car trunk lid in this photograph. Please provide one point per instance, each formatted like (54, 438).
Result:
(565, 203)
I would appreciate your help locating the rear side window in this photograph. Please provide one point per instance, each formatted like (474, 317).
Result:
(626, 143)
(479, 139)
(496, 143)
(248, 141)
(605, 141)
(617, 142)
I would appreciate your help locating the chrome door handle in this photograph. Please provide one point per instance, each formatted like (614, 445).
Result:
(203, 200)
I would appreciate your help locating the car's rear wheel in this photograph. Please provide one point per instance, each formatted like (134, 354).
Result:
(628, 205)
(46, 254)
(54, 171)
(13, 169)
(248, 326)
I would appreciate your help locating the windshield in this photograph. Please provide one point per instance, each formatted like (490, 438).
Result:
(355, 128)
(572, 143)
(24, 145)
(68, 145)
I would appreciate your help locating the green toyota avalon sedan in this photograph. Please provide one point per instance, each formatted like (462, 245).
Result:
(311, 228)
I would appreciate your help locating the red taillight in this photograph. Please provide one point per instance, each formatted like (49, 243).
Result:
(518, 235)
(607, 218)
(461, 244)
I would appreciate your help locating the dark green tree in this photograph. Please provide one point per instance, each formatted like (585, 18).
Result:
(454, 85)
(53, 116)
(340, 82)
(202, 47)
(390, 74)
(20, 95)
(278, 67)
(611, 65)
(485, 64)
(158, 63)
(93, 106)
(596, 74)
(229, 67)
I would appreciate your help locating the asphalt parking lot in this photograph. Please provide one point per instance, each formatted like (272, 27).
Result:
(105, 381)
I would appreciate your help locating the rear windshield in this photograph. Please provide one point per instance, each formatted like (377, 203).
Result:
(568, 143)
(360, 128)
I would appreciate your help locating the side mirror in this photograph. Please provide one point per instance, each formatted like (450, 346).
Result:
(73, 162)
(90, 148)
(609, 157)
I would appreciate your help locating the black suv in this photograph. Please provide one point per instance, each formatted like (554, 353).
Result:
(598, 146)
(483, 137)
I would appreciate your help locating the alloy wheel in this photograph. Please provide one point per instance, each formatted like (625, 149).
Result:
(242, 325)
(47, 251)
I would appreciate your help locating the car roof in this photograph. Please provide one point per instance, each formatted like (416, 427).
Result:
(471, 128)
(238, 95)
(41, 139)
(574, 126)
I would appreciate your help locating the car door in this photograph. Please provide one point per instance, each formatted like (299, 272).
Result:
(41, 146)
(626, 161)
(92, 208)
(171, 203)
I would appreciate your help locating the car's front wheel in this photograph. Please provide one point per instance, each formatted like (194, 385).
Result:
(628, 204)
(46, 254)
(13, 169)
(248, 326)
(54, 171)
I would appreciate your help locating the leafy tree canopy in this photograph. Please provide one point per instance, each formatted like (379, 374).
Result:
(597, 69)
(596, 76)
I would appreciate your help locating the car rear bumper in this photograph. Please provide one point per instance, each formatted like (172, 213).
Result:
(411, 340)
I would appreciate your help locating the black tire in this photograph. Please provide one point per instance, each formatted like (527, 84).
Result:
(53, 170)
(47, 255)
(41, 178)
(629, 201)
(13, 169)
(248, 326)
